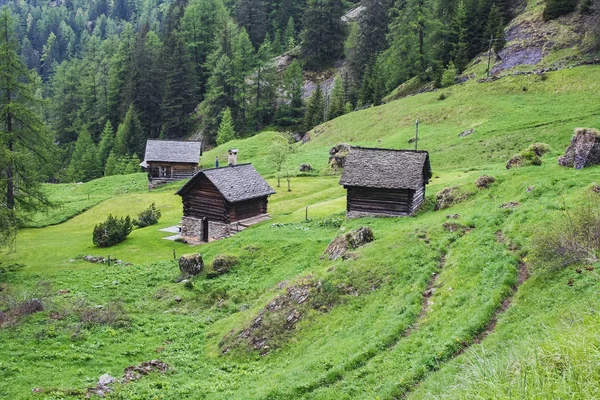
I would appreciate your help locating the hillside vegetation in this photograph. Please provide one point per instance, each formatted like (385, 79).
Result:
(447, 304)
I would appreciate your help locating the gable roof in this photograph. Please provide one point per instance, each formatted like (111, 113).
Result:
(386, 168)
(235, 182)
(184, 151)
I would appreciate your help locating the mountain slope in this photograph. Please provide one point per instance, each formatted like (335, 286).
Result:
(428, 309)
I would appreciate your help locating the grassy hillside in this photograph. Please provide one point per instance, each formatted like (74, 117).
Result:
(367, 329)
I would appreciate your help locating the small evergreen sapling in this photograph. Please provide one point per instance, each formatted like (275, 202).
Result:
(149, 216)
(112, 231)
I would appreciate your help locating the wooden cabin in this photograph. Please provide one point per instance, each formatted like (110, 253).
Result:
(170, 160)
(385, 182)
(219, 202)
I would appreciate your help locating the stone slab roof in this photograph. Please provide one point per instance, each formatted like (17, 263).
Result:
(183, 151)
(235, 182)
(386, 168)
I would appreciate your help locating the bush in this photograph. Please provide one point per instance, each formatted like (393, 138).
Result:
(112, 231)
(575, 238)
(222, 264)
(149, 216)
(449, 76)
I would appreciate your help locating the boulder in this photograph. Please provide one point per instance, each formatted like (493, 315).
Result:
(484, 181)
(584, 150)
(466, 133)
(305, 168)
(351, 240)
(449, 196)
(338, 154)
(105, 380)
(223, 264)
(190, 265)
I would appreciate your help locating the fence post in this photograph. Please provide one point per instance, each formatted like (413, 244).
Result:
(306, 215)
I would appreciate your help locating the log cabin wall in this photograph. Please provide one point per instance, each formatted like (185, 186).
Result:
(418, 198)
(178, 171)
(248, 209)
(204, 200)
(379, 201)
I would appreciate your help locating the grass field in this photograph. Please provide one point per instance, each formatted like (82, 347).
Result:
(375, 337)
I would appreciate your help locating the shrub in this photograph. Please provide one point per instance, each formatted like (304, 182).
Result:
(18, 304)
(149, 216)
(112, 231)
(223, 264)
(449, 76)
(575, 238)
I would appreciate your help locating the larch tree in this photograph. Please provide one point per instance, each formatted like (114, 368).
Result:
(251, 15)
(24, 140)
(130, 137)
(324, 33)
(226, 131)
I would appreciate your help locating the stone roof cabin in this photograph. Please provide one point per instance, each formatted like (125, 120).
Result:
(219, 202)
(385, 182)
(170, 160)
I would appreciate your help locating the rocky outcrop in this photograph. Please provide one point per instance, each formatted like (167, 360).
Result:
(222, 264)
(190, 265)
(449, 196)
(584, 150)
(484, 181)
(348, 241)
(338, 154)
(305, 168)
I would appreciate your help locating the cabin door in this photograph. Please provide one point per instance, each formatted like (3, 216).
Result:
(205, 230)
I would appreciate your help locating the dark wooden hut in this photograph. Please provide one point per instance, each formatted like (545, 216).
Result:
(385, 182)
(220, 201)
(171, 160)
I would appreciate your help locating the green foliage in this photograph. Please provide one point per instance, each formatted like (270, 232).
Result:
(315, 109)
(130, 137)
(449, 76)
(121, 165)
(112, 231)
(85, 164)
(557, 8)
(226, 131)
(149, 216)
(323, 34)
(291, 112)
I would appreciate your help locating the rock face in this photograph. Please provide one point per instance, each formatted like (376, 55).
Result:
(190, 265)
(584, 150)
(338, 154)
(351, 240)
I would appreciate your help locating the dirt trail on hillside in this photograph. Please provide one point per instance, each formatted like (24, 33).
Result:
(522, 276)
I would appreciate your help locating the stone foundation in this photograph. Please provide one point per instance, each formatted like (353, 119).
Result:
(191, 228)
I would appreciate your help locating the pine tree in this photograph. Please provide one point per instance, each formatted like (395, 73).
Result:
(84, 165)
(324, 33)
(338, 100)
(291, 111)
(315, 109)
(372, 30)
(24, 143)
(107, 142)
(289, 36)
(556, 8)
(494, 28)
(220, 95)
(244, 62)
(112, 165)
(120, 94)
(251, 15)
(226, 131)
(460, 50)
(178, 100)
(130, 137)
(265, 86)
(199, 26)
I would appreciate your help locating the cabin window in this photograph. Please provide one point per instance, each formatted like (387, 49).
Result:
(165, 172)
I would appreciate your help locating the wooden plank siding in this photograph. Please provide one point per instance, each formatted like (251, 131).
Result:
(379, 201)
(179, 171)
(204, 200)
(248, 209)
(418, 198)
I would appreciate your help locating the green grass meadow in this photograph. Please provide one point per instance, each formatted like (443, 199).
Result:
(377, 337)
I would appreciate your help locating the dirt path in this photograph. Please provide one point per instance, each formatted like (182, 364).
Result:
(522, 276)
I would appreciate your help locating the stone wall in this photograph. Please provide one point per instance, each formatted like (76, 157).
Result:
(219, 230)
(191, 228)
